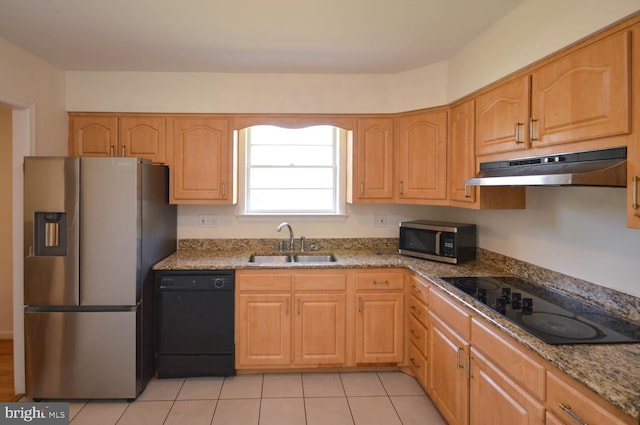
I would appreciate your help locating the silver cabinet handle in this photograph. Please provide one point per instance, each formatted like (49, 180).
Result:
(459, 354)
(223, 190)
(401, 188)
(634, 203)
(361, 188)
(379, 282)
(111, 150)
(122, 149)
(414, 334)
(467, 193)
(571, 413)
(531, 137)
(298, 306)
(415, 310)
(414, 363)
(416, 289)
(360, 305)
(518, 140)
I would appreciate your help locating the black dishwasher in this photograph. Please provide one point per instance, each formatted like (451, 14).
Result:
(194, 323)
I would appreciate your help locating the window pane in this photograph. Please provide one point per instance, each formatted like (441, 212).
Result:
(291, 155)
(269, 134)
(277, 178)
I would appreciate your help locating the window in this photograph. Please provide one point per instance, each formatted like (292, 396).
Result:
(292, 171)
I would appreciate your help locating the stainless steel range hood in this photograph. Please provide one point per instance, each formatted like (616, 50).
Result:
(606, 167)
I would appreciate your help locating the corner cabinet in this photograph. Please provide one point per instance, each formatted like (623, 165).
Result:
(202, 160)
(421, 157)
(110, 135)
(462, 166)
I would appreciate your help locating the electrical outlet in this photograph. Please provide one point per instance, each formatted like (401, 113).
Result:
(379, 220)
(208, 220)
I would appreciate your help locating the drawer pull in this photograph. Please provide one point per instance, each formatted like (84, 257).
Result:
(459, 354)
(360, 305)
(571, 413)
(416, 289)
(634, 203)
(531, 136)
(379, 282)
(414, 334)
(518, 141)
(414, 363)
(416, 310)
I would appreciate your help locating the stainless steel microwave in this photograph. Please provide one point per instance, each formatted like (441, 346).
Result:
(437, 240)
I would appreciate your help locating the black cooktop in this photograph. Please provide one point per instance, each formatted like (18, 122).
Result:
(551, 316)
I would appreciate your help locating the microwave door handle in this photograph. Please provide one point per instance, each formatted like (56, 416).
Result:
(438, 242)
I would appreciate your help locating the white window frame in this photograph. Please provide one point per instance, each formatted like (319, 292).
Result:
(340, 179)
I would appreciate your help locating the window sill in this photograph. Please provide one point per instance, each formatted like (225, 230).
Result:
(292, 218)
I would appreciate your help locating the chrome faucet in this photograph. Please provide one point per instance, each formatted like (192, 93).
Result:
(285, 224)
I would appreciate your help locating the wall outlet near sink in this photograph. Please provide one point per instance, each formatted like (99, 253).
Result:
(379, 220)
(208, 220)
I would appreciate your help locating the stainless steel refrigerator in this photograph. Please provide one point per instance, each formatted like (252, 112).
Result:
(93, 228)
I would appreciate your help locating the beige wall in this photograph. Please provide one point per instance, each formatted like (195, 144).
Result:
(576, 231)
(6, 254)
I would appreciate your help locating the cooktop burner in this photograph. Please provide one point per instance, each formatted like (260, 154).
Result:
(553, 317)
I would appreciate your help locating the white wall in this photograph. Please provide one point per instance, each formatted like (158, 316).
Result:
(576, 231)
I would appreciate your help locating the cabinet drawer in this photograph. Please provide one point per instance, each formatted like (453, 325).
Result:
(456, 317)
(263, 282)
(380, 280)
(320, 281)
(565, 395)
(516, 362)
(418, 335)
(419, 289)
(418, 364)
(418, 310)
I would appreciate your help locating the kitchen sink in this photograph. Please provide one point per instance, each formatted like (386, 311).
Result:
(314, 258)
(285, 258)
(269, 258)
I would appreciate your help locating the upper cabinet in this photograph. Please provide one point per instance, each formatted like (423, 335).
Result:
(580, 98)
(371, 161)
(202, 152)
(421, 157)
(140, 136)
(462, 165)
(633, 150)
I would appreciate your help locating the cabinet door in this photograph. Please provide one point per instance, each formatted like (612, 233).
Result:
(509, 403)
(462, 153)
(633, 153)
(584, 95)
(448, 381)
(421, 162)
(264, 330)
(200, 165)
(143, 137)
(379, 327)
(502, 115)
(320, 329)
(372, 159)
(93, 135)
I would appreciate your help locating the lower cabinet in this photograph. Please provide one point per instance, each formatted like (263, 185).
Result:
(494, 399)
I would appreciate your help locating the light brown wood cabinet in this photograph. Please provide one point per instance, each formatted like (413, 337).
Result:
(421, 157)
(494, 399)
(371, 177)
(379, 321)
(109, 135)
(633, 150)
(417, 329)
(580, 98)
(287, 319)
(201, 152)
(462, 166)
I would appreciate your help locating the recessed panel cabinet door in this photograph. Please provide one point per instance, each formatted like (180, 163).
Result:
(320, 329)
(373, 160)
(584, 95)
(462, 158)
(200, 165)
(143, 137)
(422, 156)
(502, 115)
(379, 327)
(264, 330)
(93, 135)
(509, 403)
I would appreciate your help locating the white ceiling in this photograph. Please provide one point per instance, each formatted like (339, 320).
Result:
(323, 36)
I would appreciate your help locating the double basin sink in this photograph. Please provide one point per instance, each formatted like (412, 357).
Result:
(291, 258)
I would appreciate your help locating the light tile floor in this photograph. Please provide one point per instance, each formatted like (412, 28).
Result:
(354, 398)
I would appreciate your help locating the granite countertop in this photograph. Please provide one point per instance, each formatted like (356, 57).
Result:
(610, 370)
